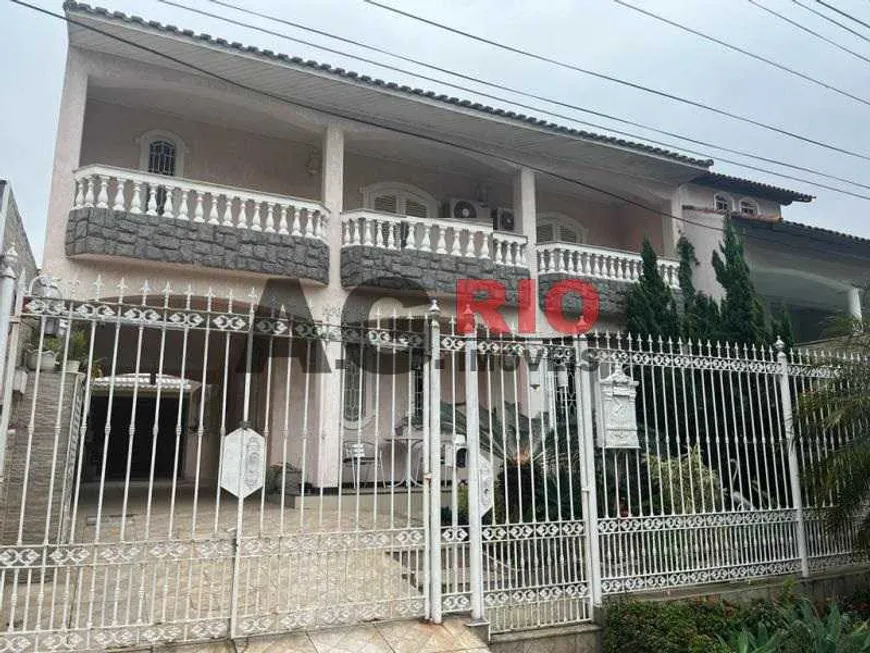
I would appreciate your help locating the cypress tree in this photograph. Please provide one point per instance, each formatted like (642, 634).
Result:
(650, 305)
(741, 311)
(700, 313)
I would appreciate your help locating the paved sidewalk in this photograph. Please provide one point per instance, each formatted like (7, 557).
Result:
(388, 637)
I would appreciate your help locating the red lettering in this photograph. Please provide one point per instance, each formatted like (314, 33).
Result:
(526, 306)
(554, 309)
(488, 308)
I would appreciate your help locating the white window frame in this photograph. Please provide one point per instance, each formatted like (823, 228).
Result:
(728, 200)
(559, 220)
(145, 140)
(403, 193)
(752, 202)
(366, 405)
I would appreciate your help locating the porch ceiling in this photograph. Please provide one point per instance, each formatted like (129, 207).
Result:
(800, 288)
(216, 108)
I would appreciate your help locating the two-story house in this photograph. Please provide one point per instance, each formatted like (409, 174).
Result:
(186, 160)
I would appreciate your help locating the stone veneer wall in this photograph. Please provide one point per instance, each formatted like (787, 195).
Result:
(412, 269)
(611, 294)
(41, 456)
(108, 232)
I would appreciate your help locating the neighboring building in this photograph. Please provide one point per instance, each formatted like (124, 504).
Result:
(815, 274)
(165, 174)
(13, 234)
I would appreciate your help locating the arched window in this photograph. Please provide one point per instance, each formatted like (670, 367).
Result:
(162, 153)
(401, 199)
(560, 228)
(722, 202)
(748, 207)
(161, 158)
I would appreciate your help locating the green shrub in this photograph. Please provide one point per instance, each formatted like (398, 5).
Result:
(667, 626)
(784, 625)
(858, 603)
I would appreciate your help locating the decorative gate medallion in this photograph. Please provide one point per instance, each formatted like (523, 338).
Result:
(243, 458)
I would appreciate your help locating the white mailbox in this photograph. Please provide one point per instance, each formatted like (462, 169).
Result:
(618, 418)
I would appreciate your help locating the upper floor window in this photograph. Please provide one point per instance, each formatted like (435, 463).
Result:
(161, 153)
(559, 228)
(401, 199)
(748, 207)
(722, 202)
(161, 158)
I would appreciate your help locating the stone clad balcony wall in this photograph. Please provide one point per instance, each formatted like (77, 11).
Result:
(404, 270)
(131, 214)
(105, 232)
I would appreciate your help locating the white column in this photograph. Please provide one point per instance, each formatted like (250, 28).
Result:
(525, 213)
(671, 224)
(793, 465)
(326, 305)
(854, 297)
(332, 193)
(472, 442)
(70, 127)
(432, 475)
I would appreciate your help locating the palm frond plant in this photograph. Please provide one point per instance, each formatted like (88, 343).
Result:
(530, 456)
(840, 404)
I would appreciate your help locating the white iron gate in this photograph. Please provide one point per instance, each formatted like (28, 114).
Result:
(182, 467)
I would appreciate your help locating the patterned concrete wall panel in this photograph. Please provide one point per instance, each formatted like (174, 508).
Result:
(410, 270)
(106, 232)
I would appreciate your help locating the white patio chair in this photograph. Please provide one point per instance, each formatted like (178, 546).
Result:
(359, 453)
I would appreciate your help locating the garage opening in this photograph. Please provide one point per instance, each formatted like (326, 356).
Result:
(147, 442)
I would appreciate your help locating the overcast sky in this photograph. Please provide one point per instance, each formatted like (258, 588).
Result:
(595, 34)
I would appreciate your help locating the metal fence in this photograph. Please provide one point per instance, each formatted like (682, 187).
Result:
(182, 467)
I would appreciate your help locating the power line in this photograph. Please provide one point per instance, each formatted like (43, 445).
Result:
(843, 13)
(752, 55)
(831, 20)
(617, 80)
(372, 123)
(809, 31)
(526, 94)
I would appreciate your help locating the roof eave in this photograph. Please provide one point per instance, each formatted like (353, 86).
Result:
(402, 92)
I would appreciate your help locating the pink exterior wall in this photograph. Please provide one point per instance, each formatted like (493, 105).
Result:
(215, 154)
(617, 227)
(361, 171)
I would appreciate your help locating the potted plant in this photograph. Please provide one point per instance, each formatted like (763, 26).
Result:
(44, 358)
(77, 350)
(292, 484)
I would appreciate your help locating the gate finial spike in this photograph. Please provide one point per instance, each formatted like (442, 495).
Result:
(98, 286)
(146, 288)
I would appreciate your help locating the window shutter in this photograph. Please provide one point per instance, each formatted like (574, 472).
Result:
(567, 235)
(415, 209)
(386, 203)
(545, 233)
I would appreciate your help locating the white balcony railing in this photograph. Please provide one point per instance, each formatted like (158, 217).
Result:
(447, 237)
(599, 263)
(175, 198)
